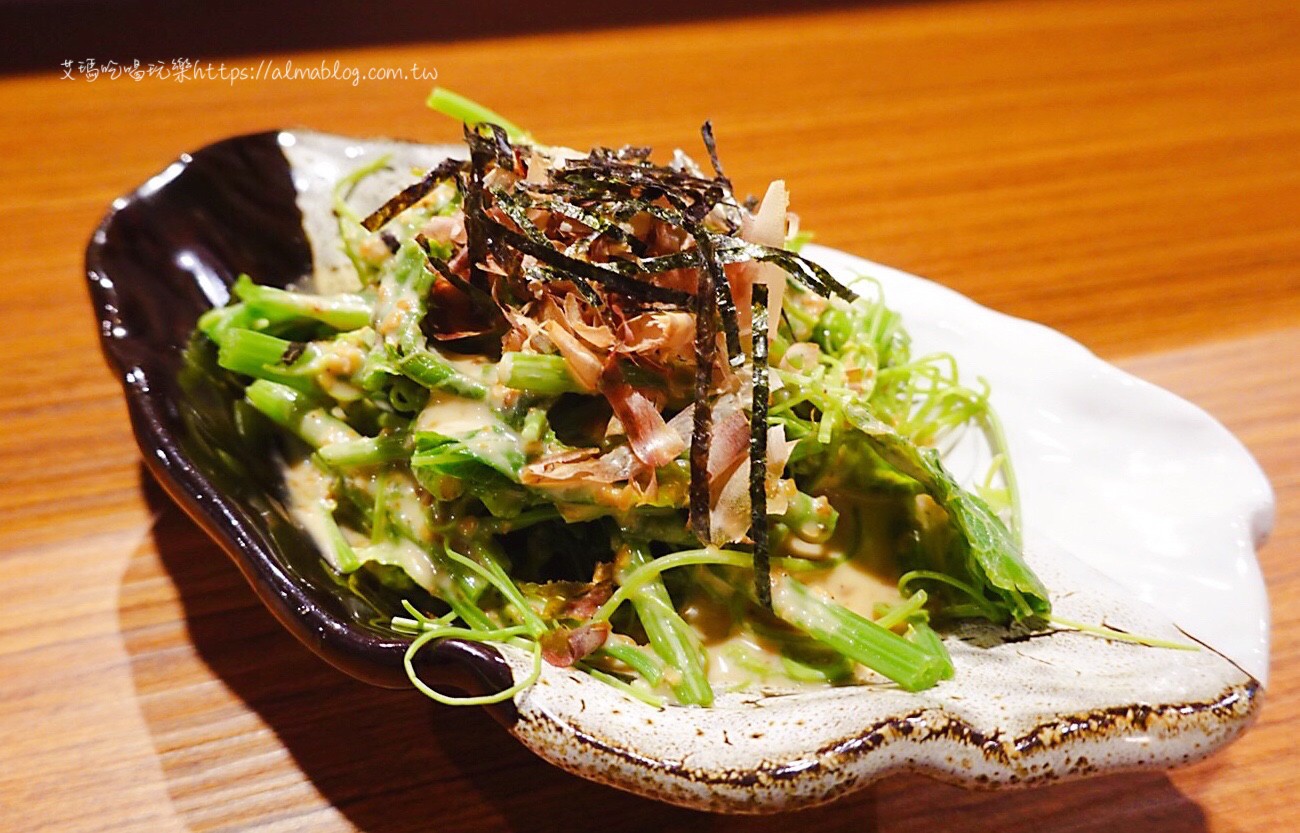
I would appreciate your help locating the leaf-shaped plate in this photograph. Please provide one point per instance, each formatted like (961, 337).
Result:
(1141, 511)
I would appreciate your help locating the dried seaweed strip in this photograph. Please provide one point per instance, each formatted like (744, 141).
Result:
(412, 194)
(600, 225)
(507, 155)
(691, 199)
(706, 346)
(688, 259)
(573, 212)
(686, 210)
(758, 452)
(516, 209)
(809, 273)
(611, 279)
(584, 287)
(721, 291)
(628, 207)
(706, 132)
(606, 178)
(588, 292)
(475, 239)
(694, 206)
(440, 267)
(482, 300)
(730, 322)
(628, 173)
(494, 145)
(476, 232)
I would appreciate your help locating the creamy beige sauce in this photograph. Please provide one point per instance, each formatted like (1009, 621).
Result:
(735, 659)
(740, 660)
(860, 574)
(410, 510)
(454, 416)
(475, 423)
(854, 586)
(408, 556)
(317, 424)
(743, 661)
(310, 499)
(475, 367)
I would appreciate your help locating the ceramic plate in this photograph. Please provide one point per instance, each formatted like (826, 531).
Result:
(1141, 512)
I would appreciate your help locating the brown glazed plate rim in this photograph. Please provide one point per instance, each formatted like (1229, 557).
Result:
(162, 255)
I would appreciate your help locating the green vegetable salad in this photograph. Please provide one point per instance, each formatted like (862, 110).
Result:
(601, 409)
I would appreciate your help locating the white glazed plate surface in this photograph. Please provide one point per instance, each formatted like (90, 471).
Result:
(1141, 512)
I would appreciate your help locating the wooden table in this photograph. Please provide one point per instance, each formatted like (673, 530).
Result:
(1128, 173)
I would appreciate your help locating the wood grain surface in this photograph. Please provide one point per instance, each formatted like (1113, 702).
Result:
(1127, 172)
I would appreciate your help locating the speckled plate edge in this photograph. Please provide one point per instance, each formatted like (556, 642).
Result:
(861, 734)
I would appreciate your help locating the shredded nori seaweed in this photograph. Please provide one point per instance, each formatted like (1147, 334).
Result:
(706, 346)
(722, 300)
(613, 280)
(758, 452)
(480, 298)
(706, 132)
(412, 194)
(476, 242)
(810, 274)
(547, 274)
(594, 198)
(599, 176)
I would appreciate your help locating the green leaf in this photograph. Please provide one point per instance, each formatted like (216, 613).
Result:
(994, 554)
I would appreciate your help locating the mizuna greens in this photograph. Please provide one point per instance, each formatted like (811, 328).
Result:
(599, 408)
